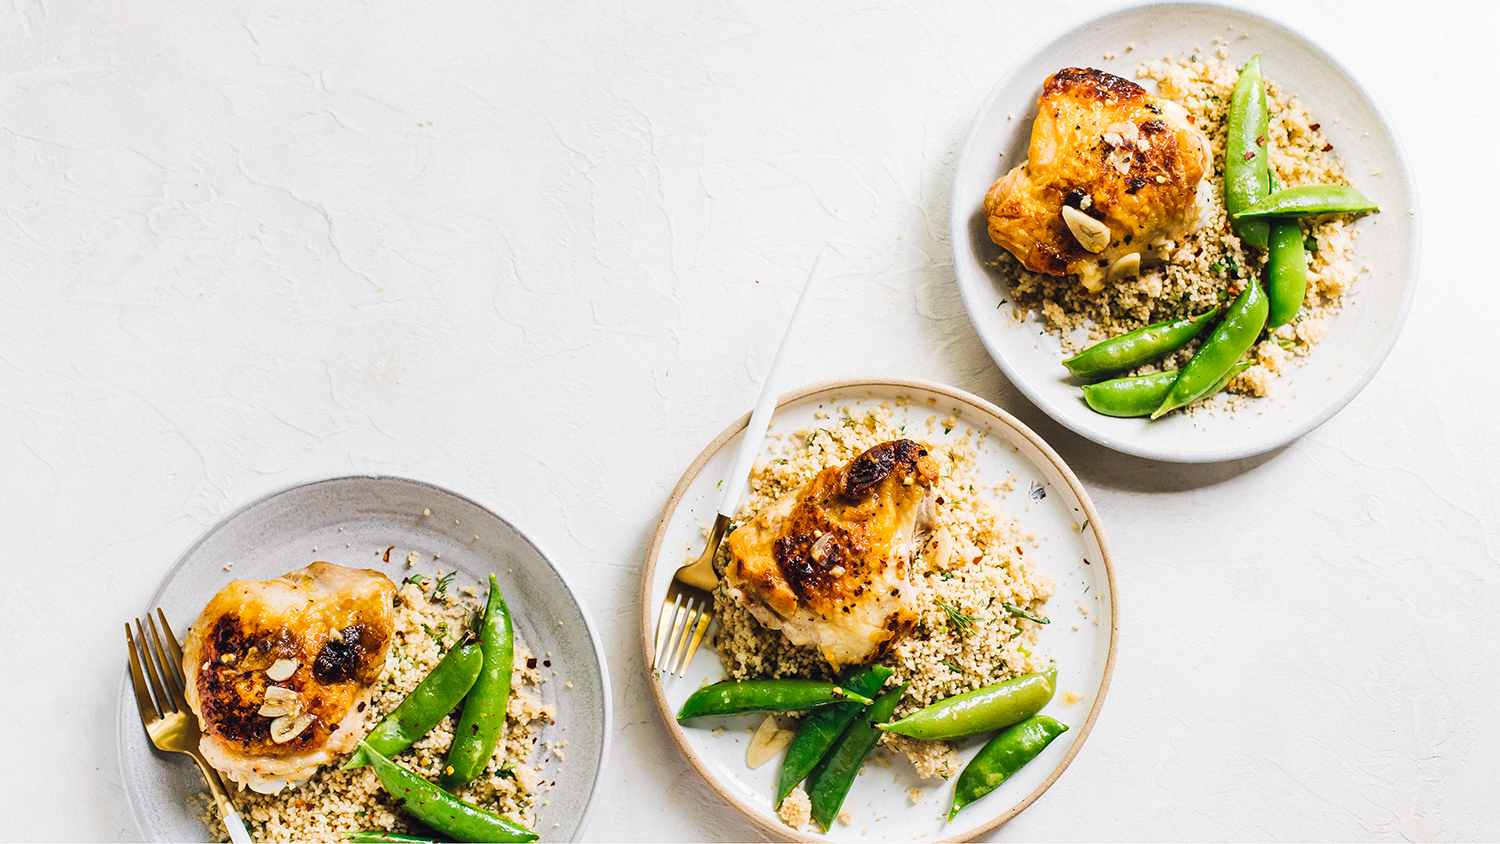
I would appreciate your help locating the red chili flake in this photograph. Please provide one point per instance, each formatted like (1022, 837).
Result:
(1327, 147)
(1316, 126)
(1249, 155)
(1260, 140)
(1192, 119)
(977, 559)
(388, 553)
(940, 499)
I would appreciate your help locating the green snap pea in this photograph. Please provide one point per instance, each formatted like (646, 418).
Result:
(483, 717)
(823, 726)
(1247, 172)
(1222, 350)
(737, 697)
(1005, 754)
(832, 777)
(380, 836)
(439, 809)
(427, 704)
(1307, 201)
(1139, 396)
(981, 710)
(1141, 346)
(1286, 273)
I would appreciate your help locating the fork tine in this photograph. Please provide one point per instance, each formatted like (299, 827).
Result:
(163, 700)
(673, 640)
(174, 649)
(143, 700)
(704, 618)
(689, 616)
(169, 677)
(664, 624)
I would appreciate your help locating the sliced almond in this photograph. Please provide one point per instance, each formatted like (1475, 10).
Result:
(279, 701)
(282, 669)
(1125, 266)
(767, 742)
(288, 727)
(1092, 234)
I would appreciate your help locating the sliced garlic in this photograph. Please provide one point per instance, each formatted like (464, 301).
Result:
(282, 669)
(1124, 266)
(279, 701)
(288, 727)
(767, 742)
(1092, 234)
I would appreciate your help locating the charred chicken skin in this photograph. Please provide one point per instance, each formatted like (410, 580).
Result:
(829, 564)
(280, 672)
(1129, 162)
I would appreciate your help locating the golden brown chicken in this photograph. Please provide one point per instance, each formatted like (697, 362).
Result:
(1126, 164)
(829, 564)
(279, 672)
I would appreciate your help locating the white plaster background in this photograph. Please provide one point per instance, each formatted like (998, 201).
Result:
(540, 253)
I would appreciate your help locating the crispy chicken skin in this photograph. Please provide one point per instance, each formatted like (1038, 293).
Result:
(829, 564)
(279, 672)
(1111, 150)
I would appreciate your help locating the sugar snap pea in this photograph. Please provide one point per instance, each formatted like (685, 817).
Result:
(831, 778)
(981, 710)
(428, 703)
(380, 836)
(1141, 346)
(439, 809)
(1286, 273)
(737, 697)
(483, 716)
(1230, 340)
(1247, 170)
(1142, 394)
(1308, 201)
(823, 726)
(1002, 757)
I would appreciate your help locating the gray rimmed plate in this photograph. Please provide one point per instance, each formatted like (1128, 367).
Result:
(1358, 339)
(352, 522)
(1044, 496)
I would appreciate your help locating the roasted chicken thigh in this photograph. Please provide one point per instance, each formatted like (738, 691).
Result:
(279, 672)
(1126, 164)
(829, 564)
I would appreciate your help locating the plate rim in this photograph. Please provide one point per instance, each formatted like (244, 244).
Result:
(658, 537)
(126, 697)
(958, 234)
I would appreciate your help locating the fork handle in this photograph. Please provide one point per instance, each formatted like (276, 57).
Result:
(231, 818)
(236, 826)
(765, 406)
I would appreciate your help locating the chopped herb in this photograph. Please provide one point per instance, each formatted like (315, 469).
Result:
(508, 770)
(733, 526)
(1026, 614)
(440, 591)
(1016, 635)
(439, 633)
(951, 667)
(1084, 527)
(1310, 243)
(719, 484)
(419, 579)
(946, 429)
(1286, 344)
(947, 575)
(957, 616)
(1193, 58)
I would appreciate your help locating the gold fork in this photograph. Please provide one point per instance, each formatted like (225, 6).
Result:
(689, 601)
(689, 605)
(169, 723)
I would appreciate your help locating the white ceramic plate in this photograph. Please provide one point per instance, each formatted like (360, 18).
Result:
(279, 533)
(1047, 499)
(1358, 339)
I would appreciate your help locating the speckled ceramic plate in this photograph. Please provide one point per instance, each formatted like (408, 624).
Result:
(1358, 339)
(1047, 500)
(351, 522)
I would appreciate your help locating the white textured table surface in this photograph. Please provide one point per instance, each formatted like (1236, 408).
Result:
(541, 253)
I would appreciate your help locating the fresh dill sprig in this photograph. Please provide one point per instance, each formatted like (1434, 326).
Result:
(440, 591)
(958, 617)
(951, 667)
